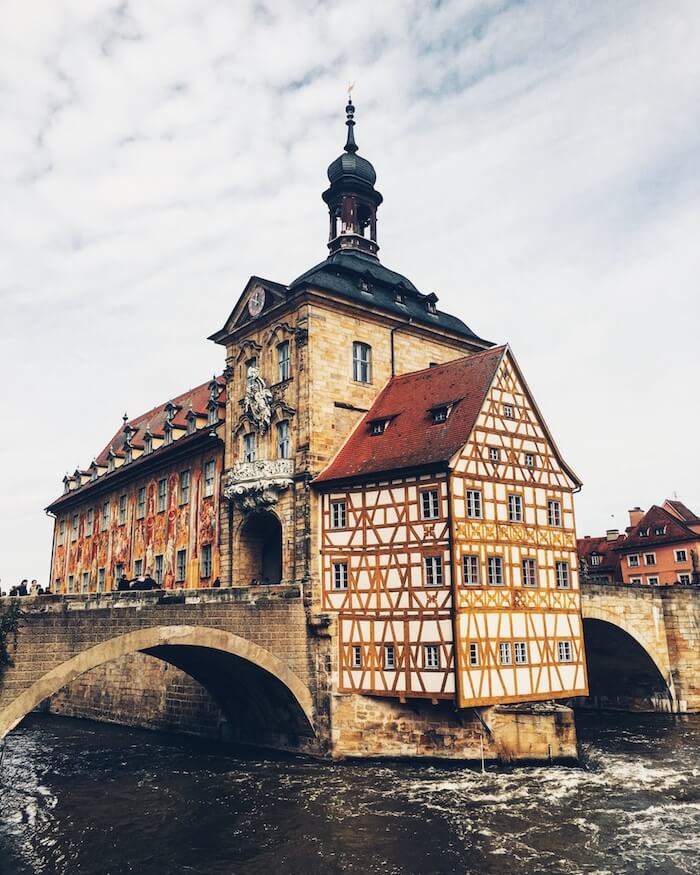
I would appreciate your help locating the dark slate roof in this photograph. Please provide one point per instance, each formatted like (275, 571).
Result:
(411, 438)
(342, 273)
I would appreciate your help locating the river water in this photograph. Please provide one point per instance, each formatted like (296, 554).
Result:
(80, 797)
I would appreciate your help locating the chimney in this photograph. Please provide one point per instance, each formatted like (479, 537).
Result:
(612, 534)
(636, 515)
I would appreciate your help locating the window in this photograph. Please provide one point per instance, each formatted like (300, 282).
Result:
(429, 504)
(521, 654)
(684, 578)
(361, 362)
(529, 460)
(249, 447)
(508, 411)
(440, 414)
(378, 427)
(148, 445)
(159, 570)
(61, 531)
(119, 569)
(680, 556)
(71, 585)
(162, 494)
(660, 530)
(284, 370)
(209, 477)
(653, 581)
(495, 564)
(128, 456)
(529, 572)
(110, 464)
(389, 657)
(283, 447)
(564, 651)
(635, 579)
(554, 513)
(470, 568)
(644, 533)
(122, 509)
(89, 521)
(168, 434)
(105, 516)
(100, 580)
(85, 586)
(74, 527)
(340, 575)
(138, 568)
(633, 560)
(431, 308)
(596, 559)
(563, 577)
(192, 423)
(650, 558)
(494, 454)
(181, 566)
(212, 415)
(338, 515)
(356, 656)
(433, 570)
(474, 503)
(431, 656)
(515, 508)
(141, 503)
(205, 563)
(184, 487)
(473, 653)
(251, 363)
(504, 653)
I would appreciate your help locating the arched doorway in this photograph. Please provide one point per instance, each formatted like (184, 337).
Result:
(622, 675)
(259, 555)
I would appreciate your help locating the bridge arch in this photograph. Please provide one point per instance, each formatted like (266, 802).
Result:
(248, 681)
(626, 666)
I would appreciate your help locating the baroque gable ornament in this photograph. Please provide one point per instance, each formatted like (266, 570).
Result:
(258, 401)
(256, 486)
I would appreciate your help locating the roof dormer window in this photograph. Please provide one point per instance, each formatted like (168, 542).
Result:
(440, 414)
(644, 533)
(66, 484)
(170, 411)
(660, 530)
(431, 304)
(168, 434)
(128, 455)
(378, 426)
(191, 422)
(400, 299)
(213, 413)
(147, 444)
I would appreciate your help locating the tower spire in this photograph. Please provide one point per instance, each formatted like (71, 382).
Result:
(350, 145)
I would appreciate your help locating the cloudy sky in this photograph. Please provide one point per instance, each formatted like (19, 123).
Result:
(540, 163)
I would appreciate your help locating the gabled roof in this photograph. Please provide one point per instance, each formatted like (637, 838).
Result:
(679, 510)
(609, 560)
(411, 438)
(656, 517)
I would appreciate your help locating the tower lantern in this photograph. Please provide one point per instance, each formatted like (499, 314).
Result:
(352, 198)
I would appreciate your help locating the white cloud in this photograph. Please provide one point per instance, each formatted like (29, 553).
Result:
(539, 162)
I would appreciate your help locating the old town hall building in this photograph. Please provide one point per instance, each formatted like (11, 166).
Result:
(366, 445)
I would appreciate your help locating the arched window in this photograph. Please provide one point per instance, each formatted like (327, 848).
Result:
(361, 362)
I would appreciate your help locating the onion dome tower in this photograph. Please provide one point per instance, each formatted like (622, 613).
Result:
(352, 198)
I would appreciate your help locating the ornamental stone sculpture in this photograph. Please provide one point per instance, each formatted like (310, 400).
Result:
(257, 485)
(258, 400)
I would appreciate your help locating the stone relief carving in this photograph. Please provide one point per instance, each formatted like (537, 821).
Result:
(257, 485)
(258, 400)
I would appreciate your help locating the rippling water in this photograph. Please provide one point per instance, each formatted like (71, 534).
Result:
(79, 797)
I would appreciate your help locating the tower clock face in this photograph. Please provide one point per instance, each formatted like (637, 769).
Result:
(256, 301)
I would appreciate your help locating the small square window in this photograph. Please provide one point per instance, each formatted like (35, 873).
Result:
(633, 560)
(521, 653)
(432, 656)
(529, 460)
(681, 556)
(494, 454)
(650, 558)
(440, 414)
(644, 533)
(635, 579)
(684, 578)
(653, 581)
(378, 427)
(508, 411)
(564, 651)
(504, 653)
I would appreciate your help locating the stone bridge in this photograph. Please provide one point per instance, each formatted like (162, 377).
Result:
(642, 646)
(250, 648)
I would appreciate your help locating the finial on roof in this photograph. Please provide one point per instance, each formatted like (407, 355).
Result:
(125, 418)
(350, 145)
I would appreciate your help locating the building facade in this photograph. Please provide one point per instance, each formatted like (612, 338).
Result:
(243, 480)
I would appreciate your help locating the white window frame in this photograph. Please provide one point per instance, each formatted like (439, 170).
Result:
(508, 411)
(684, 579)
(522, 652)
(529, 460)
(434, 575)
(184, 486)
(389, 657)
(554, 513)
(653, 559)
(633, 564)
(181, 566)
(206, 563)
(361, 362)
(680, 555)
(515, 508)
(158, 570)
(653, 580)
(284, 444)
(530, 577)
(505, 653)
(565, 651)
(340, 576)
(471, 570)
(123, 509)
(141, 503)
(496, 570)
(429, 504)
(356, 656)
(636, 579)
(284, 361)
(209, 478)
(494, 454)
(339, 514)
(249, 447)
(562, 573)
(474, 504)
(431, 657)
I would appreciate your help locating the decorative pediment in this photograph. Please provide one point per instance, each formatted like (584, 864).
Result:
(255, 486)
(258, 296)
(246, 350)
(282, 329)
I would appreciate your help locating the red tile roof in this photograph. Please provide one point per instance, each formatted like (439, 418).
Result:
(656, 517)
(678, 509)
(411, 438)
(609, 563)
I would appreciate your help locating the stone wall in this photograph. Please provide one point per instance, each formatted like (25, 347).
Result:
(139, 690)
